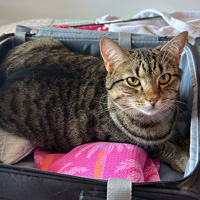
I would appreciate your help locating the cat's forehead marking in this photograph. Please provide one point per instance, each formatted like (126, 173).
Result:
(145, 61)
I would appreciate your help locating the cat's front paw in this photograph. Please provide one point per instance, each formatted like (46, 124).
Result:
(179, 164)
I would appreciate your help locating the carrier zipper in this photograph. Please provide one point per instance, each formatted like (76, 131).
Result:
(27, 30)
(33, 31)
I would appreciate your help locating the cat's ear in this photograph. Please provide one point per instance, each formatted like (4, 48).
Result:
(175, 46)
(112, 53)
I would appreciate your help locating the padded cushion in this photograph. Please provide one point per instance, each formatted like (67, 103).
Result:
(101, 160)
(13, 148)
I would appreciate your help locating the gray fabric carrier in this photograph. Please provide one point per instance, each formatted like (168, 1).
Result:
(69, 187)
(87, 42)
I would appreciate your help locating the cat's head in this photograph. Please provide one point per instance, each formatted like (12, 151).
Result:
(144, 81)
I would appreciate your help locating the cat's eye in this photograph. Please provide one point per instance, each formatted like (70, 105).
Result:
(164, 79)
(132, 81)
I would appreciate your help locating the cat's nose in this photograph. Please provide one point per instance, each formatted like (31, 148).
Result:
(153, 101)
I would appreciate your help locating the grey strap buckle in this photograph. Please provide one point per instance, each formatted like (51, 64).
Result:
(118, 189)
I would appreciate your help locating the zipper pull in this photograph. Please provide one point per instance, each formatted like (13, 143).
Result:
(33, 31)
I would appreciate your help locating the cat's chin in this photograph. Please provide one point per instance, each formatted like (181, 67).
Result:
(152, 112)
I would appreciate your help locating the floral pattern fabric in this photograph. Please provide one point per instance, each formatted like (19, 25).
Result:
(101, 160)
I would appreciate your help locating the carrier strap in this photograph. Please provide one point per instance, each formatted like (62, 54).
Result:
(125, 40)
(20, 37)
(118, 189)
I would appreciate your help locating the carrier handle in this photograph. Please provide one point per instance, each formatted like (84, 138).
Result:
(117, 189)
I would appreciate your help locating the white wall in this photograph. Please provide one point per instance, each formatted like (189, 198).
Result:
(17, 10)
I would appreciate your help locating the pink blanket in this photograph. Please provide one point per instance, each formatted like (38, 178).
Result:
(101, 160)
(93, 27)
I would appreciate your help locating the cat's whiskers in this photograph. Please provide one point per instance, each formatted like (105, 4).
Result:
(178, 109)
(172, 106)
(102, 111)
(103, 103)
(183, 103)
(181, 109)
(103, 96)
(122, 110)
(175, 98)
(100, 102)
(126, 104)
(139, 103)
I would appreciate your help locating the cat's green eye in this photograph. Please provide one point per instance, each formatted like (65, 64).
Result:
(132, 81)
(164, 79)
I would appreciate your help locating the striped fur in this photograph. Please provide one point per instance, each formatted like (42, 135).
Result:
(59, 99)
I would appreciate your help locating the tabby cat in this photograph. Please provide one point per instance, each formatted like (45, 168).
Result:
(59, 99)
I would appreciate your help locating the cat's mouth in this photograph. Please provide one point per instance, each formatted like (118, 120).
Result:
(147, 109)
(154, 110)
(143, 108)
